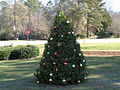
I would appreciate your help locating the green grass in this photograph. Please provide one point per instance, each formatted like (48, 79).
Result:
(95, 47)
(18, 75)
(101, 46)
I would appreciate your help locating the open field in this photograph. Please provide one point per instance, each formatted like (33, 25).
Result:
(18, 75)
(94, 46)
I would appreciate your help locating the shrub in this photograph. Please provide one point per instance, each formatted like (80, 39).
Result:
(5, 53)
(103, 34)
(23, 52)
(82, 36)
(35, 50)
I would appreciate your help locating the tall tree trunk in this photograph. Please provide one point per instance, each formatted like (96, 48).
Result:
(87, 27)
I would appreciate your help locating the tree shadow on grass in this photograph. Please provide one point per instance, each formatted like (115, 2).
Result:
(104, 75)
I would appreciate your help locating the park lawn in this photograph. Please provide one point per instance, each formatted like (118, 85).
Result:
(94, 47)
(18, 75)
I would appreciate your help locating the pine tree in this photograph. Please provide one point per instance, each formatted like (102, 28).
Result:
(62, 62)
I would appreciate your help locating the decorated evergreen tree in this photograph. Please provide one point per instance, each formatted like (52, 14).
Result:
(62, 61)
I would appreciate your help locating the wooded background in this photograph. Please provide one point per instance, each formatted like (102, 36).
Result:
(89, 18)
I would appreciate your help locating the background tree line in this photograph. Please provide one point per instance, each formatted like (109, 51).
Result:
(89, 18)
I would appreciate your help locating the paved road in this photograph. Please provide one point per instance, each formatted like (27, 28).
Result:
(6, 43)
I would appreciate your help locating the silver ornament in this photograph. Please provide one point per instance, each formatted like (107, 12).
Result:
(59, 44)
(48, 46)
(62, 36)
(50, 79)
(78, 81)
(51, 38)
(73, 65)
(37, 81)
(51, 74)
(83, 60)
(72, 32)
(81, 65)
(64, 80)
(68, 21)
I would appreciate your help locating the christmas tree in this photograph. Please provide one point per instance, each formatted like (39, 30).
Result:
(62, 61)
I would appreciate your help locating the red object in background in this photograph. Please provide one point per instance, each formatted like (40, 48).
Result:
(27, 31)
(55, 27)
(55, 53)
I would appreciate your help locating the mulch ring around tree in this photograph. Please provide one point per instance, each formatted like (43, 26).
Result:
(101, 53)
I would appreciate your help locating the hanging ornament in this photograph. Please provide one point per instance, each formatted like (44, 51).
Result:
(59, 44)
(73, 65)
(78, 81)
(68, 21)
(63, 80)
(85, 77)
(81, 65)
(44, 64)
(54, 63)
(69, 32)
(59, 15)
(51, 74)
(62, 36)
(51, 38)
(74, 49)
(48, 46)
(80, 54)
(65, 63)
(55, 27)
(56, 69)
(83, 60)
(38, 82)
(48, 52)
(72, 32)
(55, 53)
(50, 80)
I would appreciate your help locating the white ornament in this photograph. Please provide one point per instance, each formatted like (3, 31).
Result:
(50, 79)
(72, 32)
(37, 81)
(64, 80)
(73, 66)
(74, 49)
(78, 81)
(62, 36)
(80, 54)
(59, 15)
(51, 74)
(48, 46)
(68, 21)
(81, 65)
(83, 60)
(85, 77)
(59, 44)
(51, 38)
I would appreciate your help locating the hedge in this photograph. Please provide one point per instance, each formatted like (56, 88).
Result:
(19, 52)
(5, 52)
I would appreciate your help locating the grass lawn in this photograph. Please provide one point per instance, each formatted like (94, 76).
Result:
(94, 47)
(18, 75)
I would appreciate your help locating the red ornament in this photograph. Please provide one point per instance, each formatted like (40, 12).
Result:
(55, 53)
(56, 69)
(54, 27)
(65, 63)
